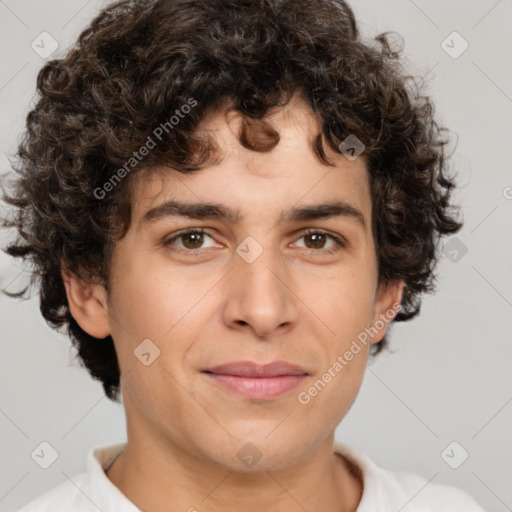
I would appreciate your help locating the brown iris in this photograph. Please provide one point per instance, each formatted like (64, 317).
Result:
(320, 240)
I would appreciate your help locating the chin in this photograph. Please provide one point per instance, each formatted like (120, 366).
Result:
(260, 451)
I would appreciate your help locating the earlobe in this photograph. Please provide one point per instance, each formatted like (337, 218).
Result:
(386, 307)
(87, 304)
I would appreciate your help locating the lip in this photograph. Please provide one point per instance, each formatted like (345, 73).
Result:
(250, 369)
(255, 381)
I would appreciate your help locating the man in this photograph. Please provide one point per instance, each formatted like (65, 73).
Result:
(228, 203)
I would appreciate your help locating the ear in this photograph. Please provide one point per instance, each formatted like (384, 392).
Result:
(387, 305)
(87, 304)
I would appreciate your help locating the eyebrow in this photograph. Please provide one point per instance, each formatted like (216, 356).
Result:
(221, 212)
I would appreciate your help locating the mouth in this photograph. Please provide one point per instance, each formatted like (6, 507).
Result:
(258, 382)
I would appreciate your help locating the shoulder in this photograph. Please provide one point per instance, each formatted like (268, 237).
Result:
(65, 496)
(88, 491)
(403, 490)
(421, 494)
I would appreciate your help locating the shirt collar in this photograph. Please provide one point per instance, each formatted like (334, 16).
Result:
(103, 493)
(370, 475)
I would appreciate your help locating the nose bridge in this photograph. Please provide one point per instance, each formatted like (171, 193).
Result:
(260, 270)
(258, 293)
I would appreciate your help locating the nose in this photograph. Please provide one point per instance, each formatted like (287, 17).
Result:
(260, 296)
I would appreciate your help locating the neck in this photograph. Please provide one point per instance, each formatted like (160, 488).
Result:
(152, 474)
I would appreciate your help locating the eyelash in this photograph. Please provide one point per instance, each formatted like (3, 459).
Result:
(340, 242)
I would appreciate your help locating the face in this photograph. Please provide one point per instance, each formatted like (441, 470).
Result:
(264, 287)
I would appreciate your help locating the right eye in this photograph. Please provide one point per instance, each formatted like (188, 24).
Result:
(192, 239)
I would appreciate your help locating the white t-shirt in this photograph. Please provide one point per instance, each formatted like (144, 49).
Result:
(384, 490)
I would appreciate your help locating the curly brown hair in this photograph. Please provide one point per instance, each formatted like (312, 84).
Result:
(138, 62)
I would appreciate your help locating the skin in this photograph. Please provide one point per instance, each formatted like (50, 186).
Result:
(294, 302)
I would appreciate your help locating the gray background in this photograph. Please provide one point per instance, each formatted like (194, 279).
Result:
(449, 378)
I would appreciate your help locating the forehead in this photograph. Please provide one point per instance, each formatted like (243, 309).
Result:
(260, 184)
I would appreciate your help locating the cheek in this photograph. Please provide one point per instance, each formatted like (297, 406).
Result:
(150, 300)
(153, 392)
(344, 305)
(331, 393)
(169, 310)
(344, 300)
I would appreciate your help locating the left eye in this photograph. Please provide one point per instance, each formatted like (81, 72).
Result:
(193, 239)
(319, 237)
